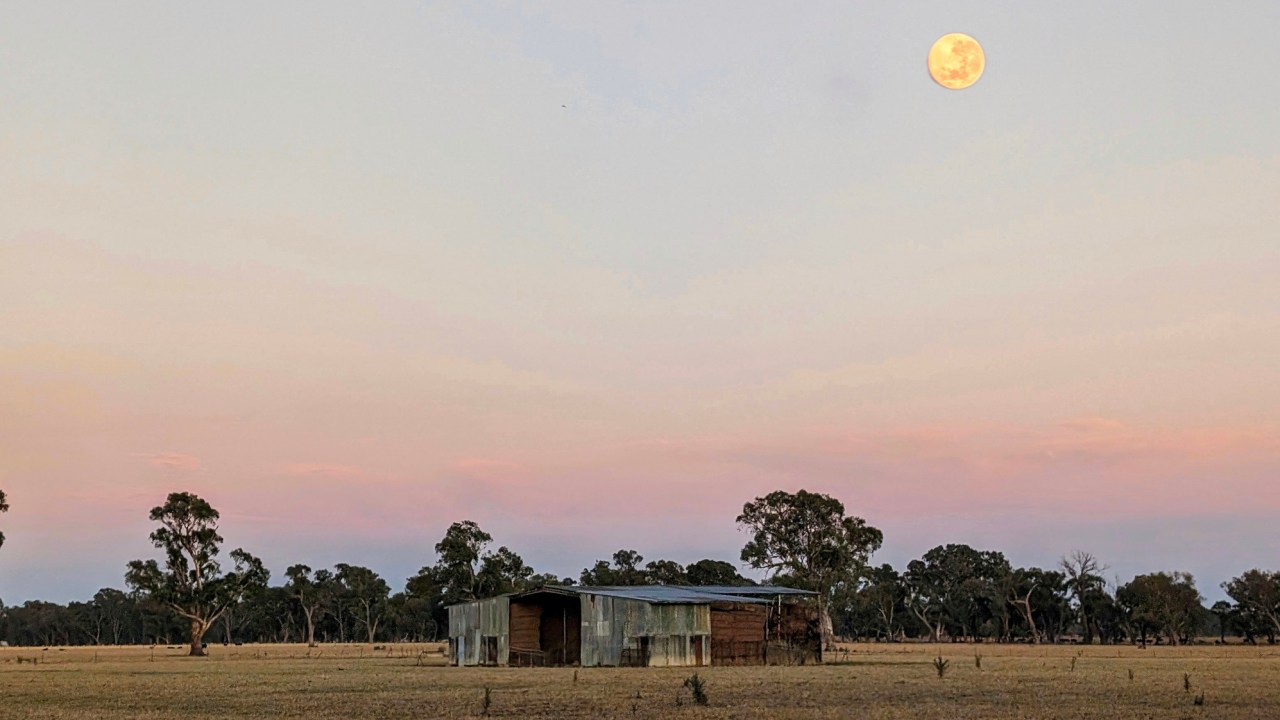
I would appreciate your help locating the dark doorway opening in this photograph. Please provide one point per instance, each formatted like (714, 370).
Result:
(637, 656)
(546, 629)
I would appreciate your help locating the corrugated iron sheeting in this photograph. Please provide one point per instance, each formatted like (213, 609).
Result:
(479, 632)
(654, 594)
(754, 590)
(623, 631)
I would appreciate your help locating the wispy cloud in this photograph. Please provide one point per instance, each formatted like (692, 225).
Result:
(322, 470)
(1094, 425)
(172, 461)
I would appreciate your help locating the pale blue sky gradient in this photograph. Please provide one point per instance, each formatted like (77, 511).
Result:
(594, 274)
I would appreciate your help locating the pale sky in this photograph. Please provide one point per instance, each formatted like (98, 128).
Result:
(594, 275)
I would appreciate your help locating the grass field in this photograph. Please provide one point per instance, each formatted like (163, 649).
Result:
(863, 681)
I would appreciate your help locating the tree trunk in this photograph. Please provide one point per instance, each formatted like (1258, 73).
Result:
(828, 630)
(311, 627)
(198, 629)
(1024, 605)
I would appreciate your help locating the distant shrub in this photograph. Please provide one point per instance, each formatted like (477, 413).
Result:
(697, 688)
(941, 666)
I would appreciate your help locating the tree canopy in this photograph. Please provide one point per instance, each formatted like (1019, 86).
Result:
(1257, 596)
(1164, 602)
(806, 537)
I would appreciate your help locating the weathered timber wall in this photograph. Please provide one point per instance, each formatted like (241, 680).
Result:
(738, 633)
(526, 621)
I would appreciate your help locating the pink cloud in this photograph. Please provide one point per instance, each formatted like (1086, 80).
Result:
(322, 470)
(172, 461)
(487, 468)
(1094, 425)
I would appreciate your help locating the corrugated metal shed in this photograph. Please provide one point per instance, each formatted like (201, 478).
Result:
(648, 625)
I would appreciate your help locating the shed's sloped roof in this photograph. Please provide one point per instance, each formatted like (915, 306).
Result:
(753, 590)
(674, 594)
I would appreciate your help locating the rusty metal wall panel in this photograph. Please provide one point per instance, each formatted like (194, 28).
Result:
(601, 634)
(614, 627)
(471, 623)
(667, 620)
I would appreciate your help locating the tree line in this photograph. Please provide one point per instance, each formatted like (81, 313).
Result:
(952, 593)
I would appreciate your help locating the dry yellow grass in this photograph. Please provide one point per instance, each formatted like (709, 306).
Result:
(867, 681)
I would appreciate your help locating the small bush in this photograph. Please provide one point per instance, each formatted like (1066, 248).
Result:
(697, 688)
(1199, 700)
(941, 665)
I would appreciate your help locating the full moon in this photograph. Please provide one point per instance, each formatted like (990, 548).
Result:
(956, 61)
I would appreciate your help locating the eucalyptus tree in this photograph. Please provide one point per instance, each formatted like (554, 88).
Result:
(1040, 596)
(1165, 602)
(885, 597)
(1088, 587)
(957, 588)
(458, 566)
(114, 609)
(1257, 597)
(191, 584)
(665, 572)
(714, 572)
(1224, 612)
(807, 538)
(312, 592)
(502, 571)
(365, 593)
(625, 570)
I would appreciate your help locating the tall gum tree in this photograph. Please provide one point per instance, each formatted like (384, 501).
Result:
(365, 592)
(807, 538)
(191, 583)
(312, 592)
(1257, 596)
(1088, 587)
